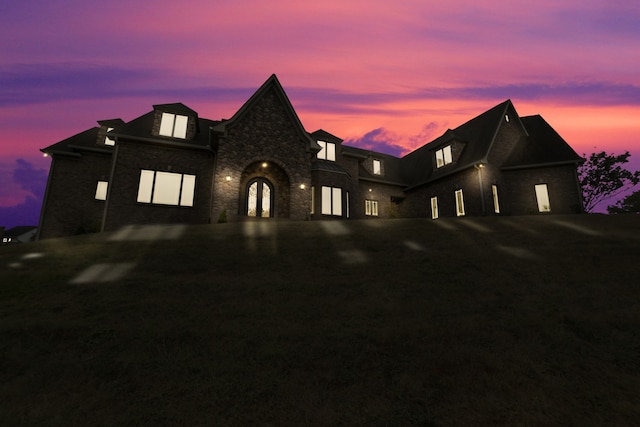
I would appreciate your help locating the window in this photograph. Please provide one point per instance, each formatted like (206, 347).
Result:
(434, 207)
(443, 156)
(173, 125)
(107, 140)
(331, 201)
(166, 188)
(328, 151)
(313, 200)
(496, 204)
(101, 190)
(371, 207)
(542, 196)
(459, 203)
(506, 118)
(377, 167)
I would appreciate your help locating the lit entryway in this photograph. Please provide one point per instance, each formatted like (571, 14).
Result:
(259, 198)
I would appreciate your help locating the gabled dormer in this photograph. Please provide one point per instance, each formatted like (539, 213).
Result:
(330, 145)
(107, 126)
(447, 150)
(176, 121)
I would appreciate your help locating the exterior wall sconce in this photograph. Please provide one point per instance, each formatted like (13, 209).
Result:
(302, 186)
(265, 164)
(370, 190)
(227, 178)
(45, 155)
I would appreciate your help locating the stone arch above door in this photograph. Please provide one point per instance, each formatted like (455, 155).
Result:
(266, 175)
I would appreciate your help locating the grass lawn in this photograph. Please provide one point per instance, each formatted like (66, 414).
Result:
(518, 321)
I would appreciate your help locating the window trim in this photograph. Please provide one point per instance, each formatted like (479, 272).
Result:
(371, 207)
(327, 151)
(444, 156)
(334, 196)
(149, 178)
(434, 207)
(542, 196)
(459, 195)
(101, 190)
(178, 124)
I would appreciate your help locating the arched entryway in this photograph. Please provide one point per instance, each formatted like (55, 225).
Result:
(264, 191)
(259, 198)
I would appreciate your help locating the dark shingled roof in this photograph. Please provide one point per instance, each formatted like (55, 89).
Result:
(542, 147)
(70, 146)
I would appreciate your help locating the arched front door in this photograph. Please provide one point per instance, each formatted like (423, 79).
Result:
(259, 198)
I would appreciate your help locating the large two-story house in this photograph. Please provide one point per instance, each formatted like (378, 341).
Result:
(172, 166)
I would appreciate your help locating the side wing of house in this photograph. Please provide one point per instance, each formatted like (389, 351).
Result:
(78, 182)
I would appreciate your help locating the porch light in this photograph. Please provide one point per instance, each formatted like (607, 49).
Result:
(227, 178)
(265, 164)
(302, 186)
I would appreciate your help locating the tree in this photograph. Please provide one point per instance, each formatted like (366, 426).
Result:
(602, 177)
(630, 204)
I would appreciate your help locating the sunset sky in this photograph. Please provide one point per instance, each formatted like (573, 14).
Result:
(385, 75)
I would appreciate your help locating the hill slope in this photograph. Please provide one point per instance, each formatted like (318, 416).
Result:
(489, 321)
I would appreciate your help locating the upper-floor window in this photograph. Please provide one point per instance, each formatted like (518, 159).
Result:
(173, 125)
(107, 140)
(443, 156)
(377, 167)
(328, 151)
(166, 188)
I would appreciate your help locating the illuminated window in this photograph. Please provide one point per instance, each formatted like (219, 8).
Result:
(107, 140)
(496, 204)
(377, 167)
(313, 200)
(459, 203)
(443, 156)
(174, 125)
(434, 207)
(371, 207)
(542, 196)
(101, 190)
(331, 201)
(328, 151)
(506, 118)
(166, 188)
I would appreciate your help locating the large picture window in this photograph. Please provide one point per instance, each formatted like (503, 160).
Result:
(174, 125)
(166, 188)
(332, 201)
(328, 151)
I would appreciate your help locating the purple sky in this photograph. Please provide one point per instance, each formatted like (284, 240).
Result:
(386, 75)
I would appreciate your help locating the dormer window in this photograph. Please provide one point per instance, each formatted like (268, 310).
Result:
(328, 151)
(443, 156)
(173, 125)
(109, 141)
(377, 167)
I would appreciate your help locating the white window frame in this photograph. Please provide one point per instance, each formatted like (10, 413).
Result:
(434, 207)
(496, 202)
(331, 201)
(177, 189)
(377, 167)
(109, 141)
(371, 207)
(459, 203)
(173, 125)
(101, 190)
(444, 156)
(328, 151)
(542, 197)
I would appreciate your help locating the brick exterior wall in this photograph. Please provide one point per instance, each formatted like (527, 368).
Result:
(130, 158)
(70, 206)
(266, 133)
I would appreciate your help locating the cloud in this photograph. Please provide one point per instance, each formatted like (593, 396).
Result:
(31, 183)
(388, 142)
